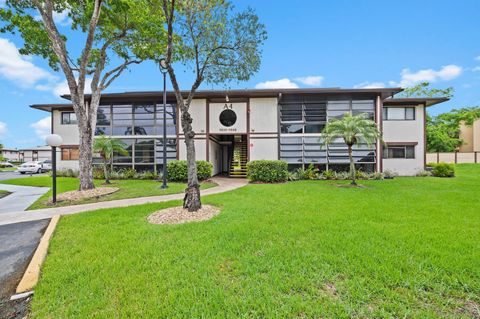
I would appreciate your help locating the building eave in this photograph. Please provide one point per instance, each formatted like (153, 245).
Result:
(427, 101)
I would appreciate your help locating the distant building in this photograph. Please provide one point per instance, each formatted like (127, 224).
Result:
(10, 154)
(40, 153)
(470, 136)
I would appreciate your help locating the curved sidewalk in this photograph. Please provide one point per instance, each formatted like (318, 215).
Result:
(224, 185)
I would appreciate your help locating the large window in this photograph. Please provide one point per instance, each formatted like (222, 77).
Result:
(142, 154)
(70, 153)
(69, 118)
(135, 119)
(302, 116)
(398, 113)
(399, 151)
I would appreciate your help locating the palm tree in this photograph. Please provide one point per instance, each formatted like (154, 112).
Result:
(106, 146)
(353, 129)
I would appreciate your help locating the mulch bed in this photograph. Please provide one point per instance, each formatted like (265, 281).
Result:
(180, 215)
(73, 196)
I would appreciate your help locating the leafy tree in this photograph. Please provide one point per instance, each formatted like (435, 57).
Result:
(218, 45)
(424, 90)
(2, 159)
(113, 33)
(106, 146)
(443, 131)
(352, 129)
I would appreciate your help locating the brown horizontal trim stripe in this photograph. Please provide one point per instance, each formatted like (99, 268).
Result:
(401, 143)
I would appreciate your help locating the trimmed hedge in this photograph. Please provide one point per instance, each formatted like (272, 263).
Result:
(177, 170)
(442, 169)
(268, 171)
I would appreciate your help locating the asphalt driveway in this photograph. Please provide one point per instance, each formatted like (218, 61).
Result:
(17, 245)
(10, 175)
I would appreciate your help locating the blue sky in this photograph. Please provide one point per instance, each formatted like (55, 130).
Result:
(310, 44)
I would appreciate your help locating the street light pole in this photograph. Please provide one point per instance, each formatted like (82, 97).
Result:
(54, 141)
(163, 69)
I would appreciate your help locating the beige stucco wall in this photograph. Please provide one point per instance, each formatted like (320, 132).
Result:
(263, 148)
(476, 136)
(69, 133)
(215, 157)
(200, 149)
(198, 111)
(406, 131)
(263, 115)
(466, 134)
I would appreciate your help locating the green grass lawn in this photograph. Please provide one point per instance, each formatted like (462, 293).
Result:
(3, 193)
(402, 248)
(128, 189)
(8, 169)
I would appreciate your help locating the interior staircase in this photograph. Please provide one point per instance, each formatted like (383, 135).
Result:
(238, 164)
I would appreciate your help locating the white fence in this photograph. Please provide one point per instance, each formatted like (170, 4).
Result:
(456, 157)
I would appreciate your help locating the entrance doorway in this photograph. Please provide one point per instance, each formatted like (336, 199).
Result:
(228, 154)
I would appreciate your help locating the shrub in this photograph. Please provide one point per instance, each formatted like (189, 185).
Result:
(443, 170)
(177, 170)
(204, 170)
(269, 171)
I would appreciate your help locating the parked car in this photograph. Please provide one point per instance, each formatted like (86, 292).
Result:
(6, 164)
(35, 167)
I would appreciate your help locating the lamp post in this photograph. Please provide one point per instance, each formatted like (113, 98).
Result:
(54, 141)
(164, 69)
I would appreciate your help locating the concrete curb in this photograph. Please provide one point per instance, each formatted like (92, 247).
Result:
(32, 274)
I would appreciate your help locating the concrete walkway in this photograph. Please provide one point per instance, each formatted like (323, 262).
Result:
(224, 185)
(21, 198)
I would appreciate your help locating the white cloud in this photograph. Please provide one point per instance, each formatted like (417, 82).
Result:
(42, 127)
(277, 84)
(17, 68)
(3, 129)
(477, 58)
(445, 73)
(60, 18)
(62, 87)
(476, 69)
(310, 80)
(369, 85)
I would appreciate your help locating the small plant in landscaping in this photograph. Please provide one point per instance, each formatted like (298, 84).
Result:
(66, 172)
(388, 174)
(269, 171)
(311, 172)
(106, 147)
(424, 173)
(328, 174)
(442, 169)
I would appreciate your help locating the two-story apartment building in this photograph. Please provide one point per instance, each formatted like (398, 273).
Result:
(283, 124)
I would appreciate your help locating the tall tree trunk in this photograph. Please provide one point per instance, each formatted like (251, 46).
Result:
(352, 165)
(191, 201)
(105, 171)
(85, 157)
